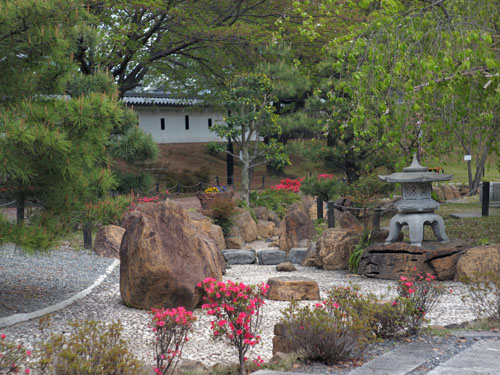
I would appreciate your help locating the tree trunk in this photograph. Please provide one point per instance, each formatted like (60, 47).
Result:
(245, 175)
(243, 370)
(20, 209)
(87, 236)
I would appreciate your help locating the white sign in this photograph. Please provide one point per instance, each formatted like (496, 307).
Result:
(467, 157)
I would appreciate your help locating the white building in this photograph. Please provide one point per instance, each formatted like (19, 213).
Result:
(174, 120)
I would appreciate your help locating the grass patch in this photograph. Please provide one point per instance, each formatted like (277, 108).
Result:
(475, 231)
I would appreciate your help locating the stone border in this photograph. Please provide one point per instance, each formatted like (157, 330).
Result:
(18, 318)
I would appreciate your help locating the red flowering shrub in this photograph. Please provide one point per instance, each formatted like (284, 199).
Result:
(423, 293)
(12, 357)
(171, 327)
(237, 312)
(289, 184)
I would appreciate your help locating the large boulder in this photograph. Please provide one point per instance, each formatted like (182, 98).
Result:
(334, 248)
(292, 288)
(163, 258)
(265, 229)
(310, 256)
(108, 240)
(297, 226)
(391, 261)
(478, 261)
(264, 214)
(235, 242)
(243, 225)
(347, 220)
(206, 226)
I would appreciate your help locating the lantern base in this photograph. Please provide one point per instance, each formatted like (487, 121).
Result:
(416, 222)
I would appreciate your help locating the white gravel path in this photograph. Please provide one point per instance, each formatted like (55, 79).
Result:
(104, 303)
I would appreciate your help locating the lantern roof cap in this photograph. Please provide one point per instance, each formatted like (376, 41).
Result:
(416, 173)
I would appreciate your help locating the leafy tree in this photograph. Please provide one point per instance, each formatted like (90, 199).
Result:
(34, 46)
(166, 41)
(55, 148)
(251, 117)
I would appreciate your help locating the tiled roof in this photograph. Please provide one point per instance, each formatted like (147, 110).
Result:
(157, 99)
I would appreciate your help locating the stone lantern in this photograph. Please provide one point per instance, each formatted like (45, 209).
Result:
(416, 208)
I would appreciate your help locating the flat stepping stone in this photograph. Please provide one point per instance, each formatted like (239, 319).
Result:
(292, 288)
(297, 254)
(271, 257)
(237, 256)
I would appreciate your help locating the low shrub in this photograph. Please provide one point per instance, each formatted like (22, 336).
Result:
(419, 293)
(221, 211)
(275, 200)
(171, 327)
(215, 148)
(320, 333)
(484, 295)
(93, 348)
(13, 357)
(237, 312)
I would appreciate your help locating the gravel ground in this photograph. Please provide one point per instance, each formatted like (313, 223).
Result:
(71, 272)
(32, 282)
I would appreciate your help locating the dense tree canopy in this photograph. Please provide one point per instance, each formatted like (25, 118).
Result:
(176, 42)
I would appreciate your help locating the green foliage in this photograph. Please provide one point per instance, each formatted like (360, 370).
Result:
(215, 148)
(247, 98)
(484, 295)
(136, 182)
(367, 188)
(364, 241)
(110, 210)
(93, 348)
(275, 200)
(41, 233)
(35, 41)
(221, 211)
(327, 187)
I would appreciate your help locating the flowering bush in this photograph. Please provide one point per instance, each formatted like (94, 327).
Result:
(171, 327)
(423, 292)
(12, 357)
(289, 184)
(237, 312)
